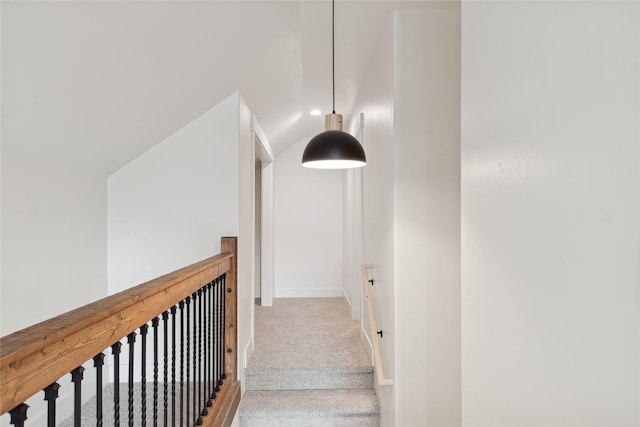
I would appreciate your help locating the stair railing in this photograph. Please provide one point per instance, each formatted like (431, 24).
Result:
(189, 319)
(377, 356)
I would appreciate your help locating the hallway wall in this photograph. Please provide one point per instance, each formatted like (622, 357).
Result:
(308, 228)
(411, 192)
(373, 240)
(550, 196)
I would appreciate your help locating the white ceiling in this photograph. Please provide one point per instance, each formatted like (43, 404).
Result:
(93, 85)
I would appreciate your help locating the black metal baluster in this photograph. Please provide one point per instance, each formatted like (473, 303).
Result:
(208, 355)
(77, 376)
(143, 380)
(224, 325)
(173, 368)
(195, 356)
(182, 304)
(216, 387)
(154, 324)
(50, 395)
(131, 339)
(98, 363)
(205, 353)
(165, 364)
(212, 336)
(203, 409)
(115, 350)
(187, 366)
(216, 341)
(223, 300)
(19, 415)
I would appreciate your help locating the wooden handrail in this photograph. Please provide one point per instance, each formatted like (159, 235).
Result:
(33, 358)
(377, 357)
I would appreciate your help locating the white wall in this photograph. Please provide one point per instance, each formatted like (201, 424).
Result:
(375, 100)
(550, 198)
(427, 207)
(54, 231)
(308, 228)
(54, 243)
(169, 207)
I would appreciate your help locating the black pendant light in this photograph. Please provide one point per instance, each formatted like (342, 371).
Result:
(333, 148)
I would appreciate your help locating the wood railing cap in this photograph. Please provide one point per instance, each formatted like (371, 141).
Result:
(36, 356)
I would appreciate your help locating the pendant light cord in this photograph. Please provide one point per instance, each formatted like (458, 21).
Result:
(333, 52)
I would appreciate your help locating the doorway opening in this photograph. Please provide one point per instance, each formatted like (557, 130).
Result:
(263, 245)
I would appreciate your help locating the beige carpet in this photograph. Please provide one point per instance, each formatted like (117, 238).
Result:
(309, 367)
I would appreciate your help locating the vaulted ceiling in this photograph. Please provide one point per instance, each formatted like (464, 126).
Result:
(93, 85)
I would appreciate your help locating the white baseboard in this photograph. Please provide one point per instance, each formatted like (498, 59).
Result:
(346, 298)
(248, 352)
(309, 293)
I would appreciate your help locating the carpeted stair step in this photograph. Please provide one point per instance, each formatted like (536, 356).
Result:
(310, 408)
(314, 377)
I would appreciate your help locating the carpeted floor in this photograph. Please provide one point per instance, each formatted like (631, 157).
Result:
(302, 332)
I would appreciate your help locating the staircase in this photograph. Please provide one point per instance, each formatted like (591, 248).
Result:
(309, 368)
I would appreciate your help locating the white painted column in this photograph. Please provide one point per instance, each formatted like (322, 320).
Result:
(267, 288)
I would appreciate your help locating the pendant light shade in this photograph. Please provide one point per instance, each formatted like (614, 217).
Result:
(333, 148)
